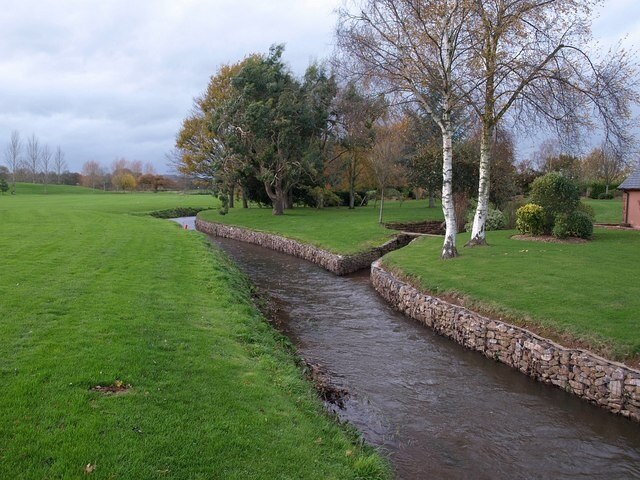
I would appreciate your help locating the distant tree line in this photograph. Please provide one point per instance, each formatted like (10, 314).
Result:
(125, 175)
(32, 161)
(29, 160)
(260, 134)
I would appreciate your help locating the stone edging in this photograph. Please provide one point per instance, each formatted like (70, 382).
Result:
(610, 385)
(338, 264)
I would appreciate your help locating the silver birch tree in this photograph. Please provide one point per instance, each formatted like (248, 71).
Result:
(418, 48)
(535, 63)
(59, 164)
(45, 164)
(33, 156)
(13, 158)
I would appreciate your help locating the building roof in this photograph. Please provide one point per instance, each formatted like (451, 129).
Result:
(632, 182)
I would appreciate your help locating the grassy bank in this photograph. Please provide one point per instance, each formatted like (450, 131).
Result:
(578, 289)
(338, 230)
(93, 296)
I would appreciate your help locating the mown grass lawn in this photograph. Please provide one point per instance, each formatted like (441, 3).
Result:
(338, 230)
(90, 295)
(588, 290)
(607, 211)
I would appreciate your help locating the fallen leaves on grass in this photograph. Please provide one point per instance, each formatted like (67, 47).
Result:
(116, 387)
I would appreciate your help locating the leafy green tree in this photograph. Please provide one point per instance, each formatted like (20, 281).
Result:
(277, 123)
(4, 186)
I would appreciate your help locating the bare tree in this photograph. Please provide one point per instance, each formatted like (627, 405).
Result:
(32, 161)
(544, 155)
(604, 164)
(419, 48)
(92, 173)
(356, 114)
(45, 163)
(149, 169)
(534, 63)
(136, 168)
(385, 156)
(12, 156)
(59, 164)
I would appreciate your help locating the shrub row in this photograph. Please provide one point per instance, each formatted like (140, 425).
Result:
(178, 212)
(496, 220)
(555, 209)
(597, 190)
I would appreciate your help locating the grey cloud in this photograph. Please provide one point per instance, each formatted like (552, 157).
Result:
(116, 78)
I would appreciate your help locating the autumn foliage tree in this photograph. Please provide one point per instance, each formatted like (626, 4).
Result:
(385, 157)
(604, 164)
(92, 174)
(354, 133)
(201, 142)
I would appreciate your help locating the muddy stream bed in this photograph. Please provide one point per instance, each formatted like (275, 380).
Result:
(436, 410)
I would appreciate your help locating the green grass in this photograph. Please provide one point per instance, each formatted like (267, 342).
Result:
(338, 230)
(607, 211)
(39, 189)
(91, 295)
(586, 290)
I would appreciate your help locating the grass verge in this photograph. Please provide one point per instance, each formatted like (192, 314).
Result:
(578, 290)
(92, 296)
(338, 230)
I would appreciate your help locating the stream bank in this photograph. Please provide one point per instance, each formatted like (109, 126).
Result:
(439, 410)
(333, 262)
(608, 384)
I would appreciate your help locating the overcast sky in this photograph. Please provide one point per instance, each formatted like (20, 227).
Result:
(115, 78)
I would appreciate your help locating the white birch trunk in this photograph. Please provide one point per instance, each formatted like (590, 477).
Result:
(451, 229)
(449, 247)
(478, 232)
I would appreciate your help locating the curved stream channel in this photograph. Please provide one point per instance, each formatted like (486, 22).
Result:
(438, 410)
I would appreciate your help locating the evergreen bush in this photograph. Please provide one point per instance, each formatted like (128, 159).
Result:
(579, 225)
(530, 219)
(561, 226)
(496, 220)
(588, 209)
(556, 194)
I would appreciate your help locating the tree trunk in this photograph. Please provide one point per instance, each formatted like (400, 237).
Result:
(352, 182)
(232, 192)
(381, 207)
(245, 202)
(478, 232)
(276, 194)
(432, 200)
(278, 205)
(289, 200)
(449, 247)
(280, 202)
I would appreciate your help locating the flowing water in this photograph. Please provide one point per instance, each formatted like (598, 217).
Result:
(438, 410)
